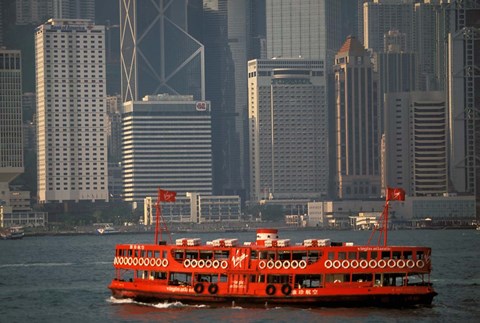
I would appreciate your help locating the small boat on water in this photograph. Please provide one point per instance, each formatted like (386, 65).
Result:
(273, 271)
(12, 233)
(107, 229)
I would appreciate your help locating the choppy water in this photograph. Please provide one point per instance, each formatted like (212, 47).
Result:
(65, 278)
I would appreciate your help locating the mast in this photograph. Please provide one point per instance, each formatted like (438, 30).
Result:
(160, 224)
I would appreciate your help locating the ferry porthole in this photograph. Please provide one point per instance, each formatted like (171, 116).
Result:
(270, 264)
(186, 263)
(382, 263)
(410, 263)
(224, 264)
(372, 263)
(294, 264)
(278, 264)
(345, 264)
(141, 262)
(400, 263)
(193, 263)
(216, 264)
(286, 264)
(328, 263)
(420, 263)
(129, 261)
(213, 288)
(158, 262)
(198, 288)
(262, 264)
(363, 263)
(391, 263)
(270, 290)
(208, 263)
(165, 262)
(302, 264)
(337, 264)
(354, 264)
(286, 289)
(201, 263)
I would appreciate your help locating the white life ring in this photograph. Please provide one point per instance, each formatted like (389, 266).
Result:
(224, 264)
(336, 264)
(363, 263)
(120, 260)
(165, 262)
(294, 264)
(201, 263)
(129, 261)
(410, 263)
(345, 264)
(208, 263)
(328, 263)
(382, 263)
(336, 281)
(420, 263)
(193, 263)
(391, 263)
(141, 261)
(186, 263)
(115, 260)
(262, 264)
(270, 264)
(286, 264)
(400, 263)
(135, 261)
(278, 264)
(302, 264)
(354, 263)
(216, 263)
(372, 263)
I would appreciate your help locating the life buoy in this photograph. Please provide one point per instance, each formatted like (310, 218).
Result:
(382, 263)
(278, 264)
(372, 263)
(216, 263)
(208, 263)
(363, 263)
(224, 264)
(336, 281)
(198, 288)
(328, 263)
(270, 264)
(354, 263)
(120, 260)
(213, 288)
(391, 263)
(186, 263)
(400, 263)
(158, 262)
(420, 263)
(262, 264)
(201, 263)
(151, 261)
(410, 263)
(270, 290)
(129, 261)
(141, 262)
(294, 264)
(115, 260)
(302, 264)
(286, 289)
(135, 261)
(193, 263)
(165, 262)
(345, 264)
(337, 264)
(286, 264)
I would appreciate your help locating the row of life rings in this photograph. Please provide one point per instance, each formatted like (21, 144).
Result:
(382, 263)
(194, 263)
(294, 264)
(134, 261)
(199, 288)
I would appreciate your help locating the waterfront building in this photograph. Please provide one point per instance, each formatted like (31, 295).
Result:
(288, 129)
(166, 143)
(71, 111)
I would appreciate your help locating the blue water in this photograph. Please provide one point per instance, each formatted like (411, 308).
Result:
(65, 279)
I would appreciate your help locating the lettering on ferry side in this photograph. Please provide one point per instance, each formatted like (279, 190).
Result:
(237, 259)
(373, 248)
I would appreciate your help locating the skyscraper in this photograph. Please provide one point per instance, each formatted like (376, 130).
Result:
(357, 122)
(11, 147)
(159, 53)
(288, 129)
(71, 111)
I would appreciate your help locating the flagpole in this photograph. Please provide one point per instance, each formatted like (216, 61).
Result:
(157, 206)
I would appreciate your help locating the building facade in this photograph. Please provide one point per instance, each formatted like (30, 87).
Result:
(288, 129)
(71, 111)
(166, 143)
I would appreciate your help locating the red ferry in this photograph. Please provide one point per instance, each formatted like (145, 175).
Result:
(274, 271)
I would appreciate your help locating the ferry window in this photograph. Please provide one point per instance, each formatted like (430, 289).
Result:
(271, 255)
(331, 255)
(308, 281)
(284, 255)
(385, 254)
(362, 255)
(373, 255)
(277, 279)
(191, 254)
(178, 254)
(155, 254)
(208, 278)
(253, 254)
(391, 279)
(420, 255)
(359, 278)
(164, 253)
(142, 274)
(263, 255)
(261, 278)
(221, 254)
(160, 275)
(143, 253)
(299, 255)
(206, 254)
(313, 255)
(352, 255)
(396, 255)
(130, 252)
(337, 278)
(223, 278)
(149, 253)
(180, 279)
(253, 278)
(408, 254)
(342, 255)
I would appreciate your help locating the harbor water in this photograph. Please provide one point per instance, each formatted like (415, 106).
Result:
(65, 279)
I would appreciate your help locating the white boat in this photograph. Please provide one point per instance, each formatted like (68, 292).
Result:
(107, 229)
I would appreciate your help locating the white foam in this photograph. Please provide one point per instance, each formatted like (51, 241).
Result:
(156, 305)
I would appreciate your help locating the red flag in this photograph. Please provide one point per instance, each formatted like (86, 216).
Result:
(395, 194)
(166, 196)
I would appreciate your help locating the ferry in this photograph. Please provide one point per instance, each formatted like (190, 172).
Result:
(12, 233)
(271, 271)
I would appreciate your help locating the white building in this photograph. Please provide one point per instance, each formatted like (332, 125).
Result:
(71, 111)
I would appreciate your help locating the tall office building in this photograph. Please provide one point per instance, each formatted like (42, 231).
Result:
(288, 129)
(11, 146)
(166, 143)
(34, 12)
(71, 111)
(159, 51)
(357, 122)
(416, 142)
